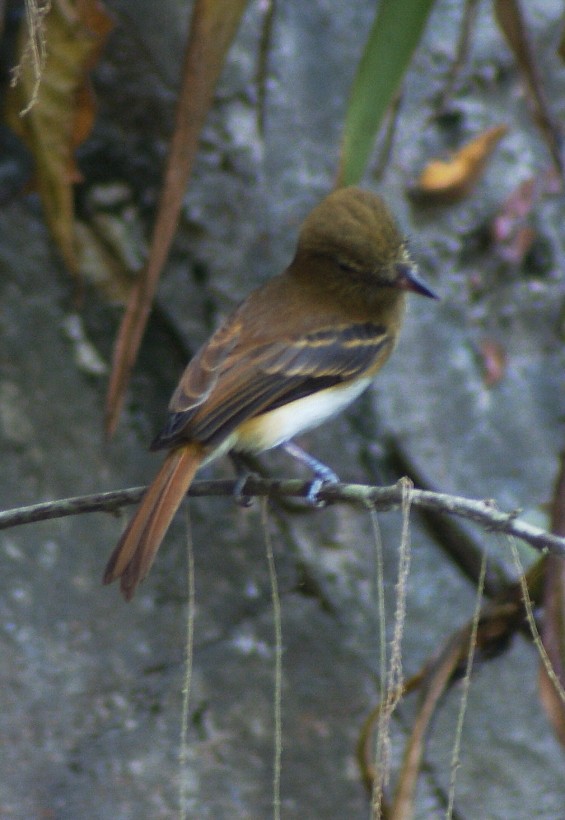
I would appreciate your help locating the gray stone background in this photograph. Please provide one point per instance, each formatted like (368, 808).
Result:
(90, 688)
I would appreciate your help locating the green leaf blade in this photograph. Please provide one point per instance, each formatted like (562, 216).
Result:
(393, 38)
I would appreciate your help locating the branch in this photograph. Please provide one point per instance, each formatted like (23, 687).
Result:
(485, 513)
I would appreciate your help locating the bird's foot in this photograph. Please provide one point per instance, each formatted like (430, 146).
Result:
(243, 472)
(240, 497)
(313, 494)
(323, 475)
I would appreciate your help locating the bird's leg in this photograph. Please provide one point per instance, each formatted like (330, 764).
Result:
(243, 471)
(322, 473)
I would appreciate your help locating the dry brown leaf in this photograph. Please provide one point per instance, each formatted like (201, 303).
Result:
(449, 181)
(554, 643)
(213, 27)
(62, 113)
(553, 631)
(508, 14)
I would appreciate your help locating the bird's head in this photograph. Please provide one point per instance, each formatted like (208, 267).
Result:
(355, 232)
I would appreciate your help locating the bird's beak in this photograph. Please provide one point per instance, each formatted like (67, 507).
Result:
(408, 279)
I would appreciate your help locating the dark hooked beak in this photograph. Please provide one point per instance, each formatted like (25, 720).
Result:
(408, 279)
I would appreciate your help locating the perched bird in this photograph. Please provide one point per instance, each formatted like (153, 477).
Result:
(297, 351)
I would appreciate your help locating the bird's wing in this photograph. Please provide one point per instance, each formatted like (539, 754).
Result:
(225, 385)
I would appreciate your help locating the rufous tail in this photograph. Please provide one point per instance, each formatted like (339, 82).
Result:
(137, 548)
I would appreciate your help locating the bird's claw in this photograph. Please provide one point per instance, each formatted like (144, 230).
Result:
(317, 484)
(313, 494)
(241, 499)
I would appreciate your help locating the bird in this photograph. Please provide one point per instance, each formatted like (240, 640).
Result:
(297, 350)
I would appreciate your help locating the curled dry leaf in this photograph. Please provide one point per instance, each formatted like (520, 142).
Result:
(442, 182)
(62, 112)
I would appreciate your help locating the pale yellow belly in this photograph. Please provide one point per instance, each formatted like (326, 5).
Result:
(271, 429)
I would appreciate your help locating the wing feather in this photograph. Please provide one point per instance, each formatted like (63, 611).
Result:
(224, 385)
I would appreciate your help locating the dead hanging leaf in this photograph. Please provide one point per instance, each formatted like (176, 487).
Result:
(554, 643)
(213, 27)
(443, 182)
(62, 113)
(511, 22)
(553, 631)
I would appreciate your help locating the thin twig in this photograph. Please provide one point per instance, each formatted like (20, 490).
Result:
(277, 618)
(485, 513)
(394, 673)
(456, 752)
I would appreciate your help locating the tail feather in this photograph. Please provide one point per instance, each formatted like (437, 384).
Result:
(137, 548)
